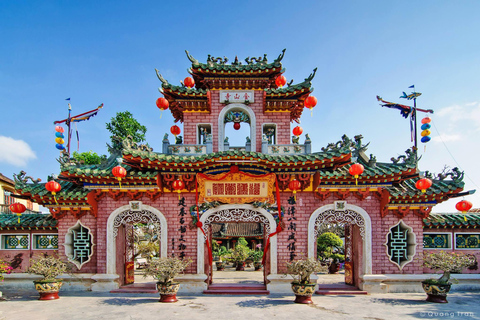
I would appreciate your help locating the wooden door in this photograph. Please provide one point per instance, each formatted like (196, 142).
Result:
(348, 255)
(121, 254)
(266, 266)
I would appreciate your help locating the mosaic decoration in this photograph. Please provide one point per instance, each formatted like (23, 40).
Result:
(45, 241)
(132, 217)
(292, 227)
(18, 241)
(467, 241)
(400, 244)
(436, 241)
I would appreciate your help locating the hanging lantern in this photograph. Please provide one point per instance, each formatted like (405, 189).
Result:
(162, 104)
(178, 185)
(189, 82)
(17, 208)
(423, 184)
(236, 125)
(464, 206)
(294, 185)
(425, 130)
(59, 138)
(54, 187)
(310, 103)
(119, 172)
(356, 170)
(175, 130)
(297, 131)
(280, 81)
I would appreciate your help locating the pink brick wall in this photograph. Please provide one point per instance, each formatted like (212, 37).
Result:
(20, 259)
(281, 119)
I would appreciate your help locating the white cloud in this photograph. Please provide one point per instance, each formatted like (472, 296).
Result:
(447, 138)
(15, 152)
(468, 112)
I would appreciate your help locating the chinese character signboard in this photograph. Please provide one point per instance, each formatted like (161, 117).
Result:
(236, 188)
(234, 96)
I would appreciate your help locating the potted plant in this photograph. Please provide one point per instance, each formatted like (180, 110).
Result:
(221, 253)
(240, 254)
(329, 250)
(49, 267)
(256, 256)
(448, 262)
(4, 268)
(302, 286)
(164, 270)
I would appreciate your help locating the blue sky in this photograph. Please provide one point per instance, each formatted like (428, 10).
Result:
(106, 52)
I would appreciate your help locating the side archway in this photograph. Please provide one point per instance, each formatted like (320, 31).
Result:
(221, 124)
(350, 214)
(124, 213)
(236, 213)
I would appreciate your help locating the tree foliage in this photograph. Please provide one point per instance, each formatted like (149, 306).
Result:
(89, 157)
(328, 244)
(124, 125)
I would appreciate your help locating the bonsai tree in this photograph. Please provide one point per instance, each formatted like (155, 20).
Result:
(124, 125)
(241, 251)
(221, 252)
(329, 246)
(301, 270)
(447, 262)
(48, 267)
(164, 270)
(256, 255)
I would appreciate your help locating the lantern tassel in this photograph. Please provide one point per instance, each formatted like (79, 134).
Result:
(311, 112)
(120, 182)
(179, 195)
(55, 198)
(161, 112)
(465, 217)
(19, 215)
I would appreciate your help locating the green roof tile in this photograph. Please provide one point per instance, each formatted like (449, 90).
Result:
(27, 221)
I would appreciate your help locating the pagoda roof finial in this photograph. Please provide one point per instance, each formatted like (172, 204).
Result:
(280, 57)
(311, 76)
(161, 78)
(191, 58)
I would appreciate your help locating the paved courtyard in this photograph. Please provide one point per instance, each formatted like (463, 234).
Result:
(24, 305)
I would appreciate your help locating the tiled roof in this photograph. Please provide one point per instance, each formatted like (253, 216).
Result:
(7, 180)
(30, 221)
(223, 230)
(453, 220)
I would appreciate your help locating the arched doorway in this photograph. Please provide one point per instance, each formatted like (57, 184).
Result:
(360, 229)
(119, 225)
(251, 120)
(241, 213)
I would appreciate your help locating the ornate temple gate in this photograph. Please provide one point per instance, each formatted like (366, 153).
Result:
(236, 213)
(123, 233)
(357, 236)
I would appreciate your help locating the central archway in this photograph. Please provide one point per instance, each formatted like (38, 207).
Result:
(236, 213)
(221, 124)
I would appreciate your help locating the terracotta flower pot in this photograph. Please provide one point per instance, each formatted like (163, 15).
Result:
(436, 292)
(257, 265)
(48, 290)
(240, 266)
(220, 265)
(333, 268)
(168, 293)
(303, 291)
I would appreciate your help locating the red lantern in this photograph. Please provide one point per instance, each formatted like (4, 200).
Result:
(119, 172)
(236, 125)
(280, 81)
(464, 206)
(162, 104)
(189, 82)
(356, 170)
(175, 130)
(178, 185)
(294, 185)
(310, 102)
(54, 187)
(17, 208)
(297, 131)
(423, 184)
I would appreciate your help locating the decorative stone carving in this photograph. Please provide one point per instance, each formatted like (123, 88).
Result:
(347, 216)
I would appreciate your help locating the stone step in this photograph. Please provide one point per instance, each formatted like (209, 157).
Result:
(237, 292)
(137, 288)
(339, 292)
(236, 289)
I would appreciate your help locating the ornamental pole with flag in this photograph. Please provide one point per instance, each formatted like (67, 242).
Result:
(78, 118)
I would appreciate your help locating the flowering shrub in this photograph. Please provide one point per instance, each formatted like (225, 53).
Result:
(4, 268)
(165, 269)
(447, 262)
(49, 267)
(301, 270)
